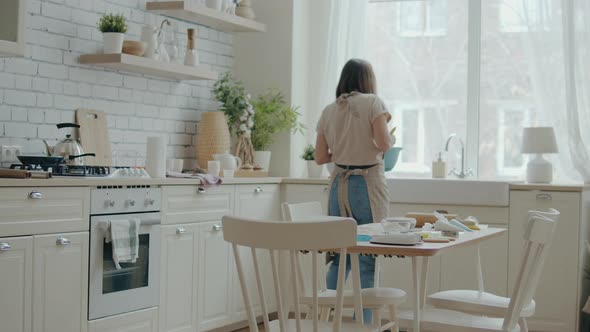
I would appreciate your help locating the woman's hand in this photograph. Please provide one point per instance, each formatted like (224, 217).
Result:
(381, 134)
(322, 151)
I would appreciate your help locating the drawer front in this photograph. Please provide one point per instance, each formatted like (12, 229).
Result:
(304, 193)
(26, 211)
(187, 204)
(258, 201)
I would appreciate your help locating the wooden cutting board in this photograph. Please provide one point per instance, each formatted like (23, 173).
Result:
(94, 136)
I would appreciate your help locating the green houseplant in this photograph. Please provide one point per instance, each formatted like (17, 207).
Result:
(313, 169)
(272, 115)
(113, 28)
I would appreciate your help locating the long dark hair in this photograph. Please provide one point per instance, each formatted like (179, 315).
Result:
(357, 75)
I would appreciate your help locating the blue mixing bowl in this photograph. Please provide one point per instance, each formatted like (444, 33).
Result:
(390, 158)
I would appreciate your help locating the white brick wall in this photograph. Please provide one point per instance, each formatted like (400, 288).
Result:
(48, 85)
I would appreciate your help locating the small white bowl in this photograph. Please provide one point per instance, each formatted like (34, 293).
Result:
(397, 224)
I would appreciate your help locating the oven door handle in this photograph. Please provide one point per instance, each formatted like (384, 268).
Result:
(104, 225)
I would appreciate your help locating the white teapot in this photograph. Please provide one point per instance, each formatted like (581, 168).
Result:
(228, 161)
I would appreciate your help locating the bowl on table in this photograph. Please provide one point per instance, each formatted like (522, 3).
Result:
(397, 224)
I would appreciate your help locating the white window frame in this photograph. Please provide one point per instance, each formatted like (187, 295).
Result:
(504, 107)
(540, 22)
(429, 30)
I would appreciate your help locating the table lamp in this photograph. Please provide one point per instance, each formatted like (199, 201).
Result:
(539, 140)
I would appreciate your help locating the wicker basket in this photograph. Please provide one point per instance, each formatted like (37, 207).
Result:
(212, 137)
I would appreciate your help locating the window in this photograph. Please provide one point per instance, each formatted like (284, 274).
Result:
(510, 162)
(420, 18)
(519, 15)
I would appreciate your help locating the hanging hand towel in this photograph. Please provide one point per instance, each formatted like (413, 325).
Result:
(124, 234)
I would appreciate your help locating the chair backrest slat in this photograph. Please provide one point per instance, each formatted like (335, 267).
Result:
(295, 284)
(241, 275)
(314, 285)
(538, 235)
(260, 286)
(278, 295)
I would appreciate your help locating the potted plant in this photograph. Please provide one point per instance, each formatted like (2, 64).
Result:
(272, 116)
(313, 169)
(113, 28)
(239, 113)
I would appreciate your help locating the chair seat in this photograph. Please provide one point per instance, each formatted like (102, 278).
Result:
(475, 302)
(307, 325)
(372, 297)
(441, 320)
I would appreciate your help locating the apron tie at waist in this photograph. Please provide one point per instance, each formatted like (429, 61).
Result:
(343, 198)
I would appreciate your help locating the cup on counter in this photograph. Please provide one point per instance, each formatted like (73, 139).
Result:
(228, 173)
(213, 167)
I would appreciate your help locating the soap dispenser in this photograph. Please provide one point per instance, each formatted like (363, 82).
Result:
(439, 168)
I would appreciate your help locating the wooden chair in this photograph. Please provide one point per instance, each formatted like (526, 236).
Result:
(376, 299)
(538, 235)
(278, 237)
(481, 303)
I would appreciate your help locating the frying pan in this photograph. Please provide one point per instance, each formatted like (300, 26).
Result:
(41, 160)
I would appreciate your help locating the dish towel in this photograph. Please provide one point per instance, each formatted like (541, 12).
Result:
(207, 180)
(124, 234)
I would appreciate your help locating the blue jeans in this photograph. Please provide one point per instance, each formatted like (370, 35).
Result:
(361, 212)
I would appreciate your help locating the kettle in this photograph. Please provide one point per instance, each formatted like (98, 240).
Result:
(228, 161)
(68, 148)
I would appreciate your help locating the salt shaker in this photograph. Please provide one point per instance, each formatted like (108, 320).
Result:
(191, 57)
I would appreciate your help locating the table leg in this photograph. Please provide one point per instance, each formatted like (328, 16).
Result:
(417, 293)
(424, 281)
(356, 286)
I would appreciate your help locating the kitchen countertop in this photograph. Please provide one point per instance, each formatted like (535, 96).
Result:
(92, 182)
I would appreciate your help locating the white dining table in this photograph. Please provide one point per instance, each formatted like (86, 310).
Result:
(423, 251)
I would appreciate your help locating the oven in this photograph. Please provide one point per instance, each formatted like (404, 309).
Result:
(135, 286)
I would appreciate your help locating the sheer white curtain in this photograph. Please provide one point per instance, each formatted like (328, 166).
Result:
(337, 34)
(560, 76)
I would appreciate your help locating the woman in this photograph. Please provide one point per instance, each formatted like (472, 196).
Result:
(353, 134)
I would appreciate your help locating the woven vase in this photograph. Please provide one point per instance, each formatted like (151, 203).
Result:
(212, 137)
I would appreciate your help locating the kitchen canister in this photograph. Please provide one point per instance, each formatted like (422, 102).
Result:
(155, 161)
(212, 137)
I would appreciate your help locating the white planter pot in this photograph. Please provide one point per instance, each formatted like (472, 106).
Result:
(262, 158)
(112, 42)
(314, 170)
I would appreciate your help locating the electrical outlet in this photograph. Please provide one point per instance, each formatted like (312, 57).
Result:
(6, 153)
(17, 152)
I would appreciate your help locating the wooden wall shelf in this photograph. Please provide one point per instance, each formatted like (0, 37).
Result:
(186, 11)
(141, 65)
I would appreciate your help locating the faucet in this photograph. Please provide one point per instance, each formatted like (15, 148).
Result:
(463, 173)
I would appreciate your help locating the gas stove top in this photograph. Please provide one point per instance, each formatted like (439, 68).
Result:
(87, 171)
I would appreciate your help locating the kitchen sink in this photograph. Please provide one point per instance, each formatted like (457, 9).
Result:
(448, 191)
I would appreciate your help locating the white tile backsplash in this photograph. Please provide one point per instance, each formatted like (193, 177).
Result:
(48, 85)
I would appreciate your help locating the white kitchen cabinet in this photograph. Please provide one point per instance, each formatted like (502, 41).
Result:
(137, 321)
(16, 266)
(187, 204)
(558, 293)
(12, 27)
(60, 282)
(179, 278)
(258, 201)
(303, 193)
(44, 210)
(215, 277)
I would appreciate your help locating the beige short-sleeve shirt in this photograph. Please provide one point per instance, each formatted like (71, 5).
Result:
(347, 125)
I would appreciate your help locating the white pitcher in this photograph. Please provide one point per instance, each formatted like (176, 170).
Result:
(228, 161)
(149, 36)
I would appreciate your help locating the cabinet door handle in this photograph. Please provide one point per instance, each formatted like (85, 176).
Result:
(4, 246)
(180, 230)
(258, 190)
(217, 227)
(544, 197)
(35, 195)
(63, 241)
(326, 188)
(201, 190)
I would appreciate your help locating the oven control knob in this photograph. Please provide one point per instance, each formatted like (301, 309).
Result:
(131, 202)
(109, 203)
(150, 201)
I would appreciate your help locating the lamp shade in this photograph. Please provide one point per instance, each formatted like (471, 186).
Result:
(539, 140)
